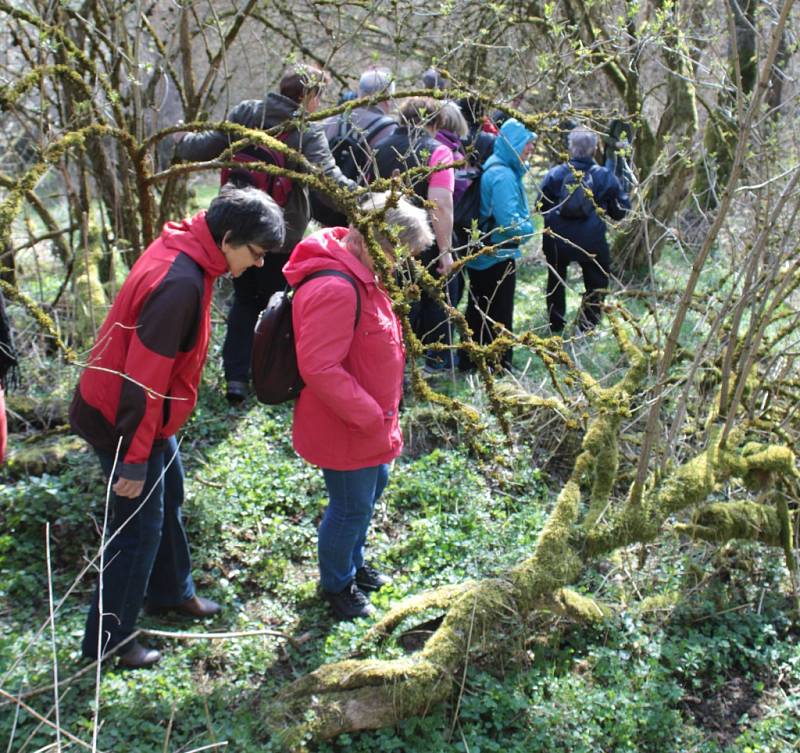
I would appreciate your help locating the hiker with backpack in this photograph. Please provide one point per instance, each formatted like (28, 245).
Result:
(353, 136)
(576, 198)
(506, 221)
(299, 94)
(413, 145)
(138, 389)
(350, 354)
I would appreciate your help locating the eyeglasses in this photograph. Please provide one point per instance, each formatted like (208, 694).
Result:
(258, 254)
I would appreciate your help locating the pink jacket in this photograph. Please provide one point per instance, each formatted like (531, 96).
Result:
(346, 416)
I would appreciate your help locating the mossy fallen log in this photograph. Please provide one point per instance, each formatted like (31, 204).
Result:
(45, 456)
(26, 413)
(586, 522)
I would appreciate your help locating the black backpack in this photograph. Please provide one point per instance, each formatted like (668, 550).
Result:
(576, 198)
(352, 151)
(276, 377)
(352, 147)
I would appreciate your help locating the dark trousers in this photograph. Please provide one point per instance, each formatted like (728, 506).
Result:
(490, 300)
(251, 293)
(147, 555)
(595, 282)
(429, 318)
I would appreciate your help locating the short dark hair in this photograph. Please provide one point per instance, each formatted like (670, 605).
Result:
(302, 79)
(249, 215)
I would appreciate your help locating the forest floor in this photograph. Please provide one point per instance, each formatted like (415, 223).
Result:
(701, 654)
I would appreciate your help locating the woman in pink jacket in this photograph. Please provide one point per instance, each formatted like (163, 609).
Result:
(351, 357)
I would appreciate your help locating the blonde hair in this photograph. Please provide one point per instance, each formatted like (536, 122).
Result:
(450, 118)
(410, 223)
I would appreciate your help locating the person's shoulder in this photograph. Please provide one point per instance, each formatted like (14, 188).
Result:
(249, 112)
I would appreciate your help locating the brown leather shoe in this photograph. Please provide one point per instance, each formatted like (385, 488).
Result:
(196, 607)
(137, 656)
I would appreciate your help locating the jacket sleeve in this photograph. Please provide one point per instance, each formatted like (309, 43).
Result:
(166, 320)
(616, 201)
(549, 191)
(511, 214)
(323, 318)
(206, 145)
(315, 148)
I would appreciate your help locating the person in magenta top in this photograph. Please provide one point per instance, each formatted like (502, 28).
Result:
(411, 146)
(350, 354)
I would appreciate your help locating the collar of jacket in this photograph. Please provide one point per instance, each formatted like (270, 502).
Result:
(192, 237)
(582, 163)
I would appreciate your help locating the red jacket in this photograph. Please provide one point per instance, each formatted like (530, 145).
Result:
(346, 416)
(156, 333)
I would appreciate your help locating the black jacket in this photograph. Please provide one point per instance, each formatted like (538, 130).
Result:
(588, 234)
(404, 150)
(307, 138)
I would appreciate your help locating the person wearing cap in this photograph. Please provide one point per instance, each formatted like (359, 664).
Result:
(433, 79)
(506, 217)
(138, 389)
(374, 82)
(354, 135)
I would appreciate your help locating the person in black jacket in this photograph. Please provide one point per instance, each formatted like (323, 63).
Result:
(575, 231)
(299, 94)
(8, 362)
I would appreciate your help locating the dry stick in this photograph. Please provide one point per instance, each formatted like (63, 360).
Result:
(295, 642)
(14, 725)
(683, 307)
(53, 634)
(95, 725)
(466, 665)
(36, 715)
(83, 572)
(223, 744)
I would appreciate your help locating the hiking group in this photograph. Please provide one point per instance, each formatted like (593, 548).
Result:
(466, 200)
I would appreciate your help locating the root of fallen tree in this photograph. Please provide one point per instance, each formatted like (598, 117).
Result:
(586, 522)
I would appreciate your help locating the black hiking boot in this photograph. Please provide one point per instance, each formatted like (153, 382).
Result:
(349, 603)
(369, 579)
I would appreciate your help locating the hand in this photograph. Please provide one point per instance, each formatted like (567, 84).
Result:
(445, 264)
(126, 487)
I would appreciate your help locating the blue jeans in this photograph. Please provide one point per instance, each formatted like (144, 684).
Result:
(351, 498)
(148, 557)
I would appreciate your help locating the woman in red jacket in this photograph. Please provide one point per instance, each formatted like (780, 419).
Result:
(138, 389)
(351, 357)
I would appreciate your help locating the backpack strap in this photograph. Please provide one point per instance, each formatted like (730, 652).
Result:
(335, 273)
(376, 126)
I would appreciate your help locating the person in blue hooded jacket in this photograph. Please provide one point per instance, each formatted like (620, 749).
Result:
(506, 216)
(577, 233)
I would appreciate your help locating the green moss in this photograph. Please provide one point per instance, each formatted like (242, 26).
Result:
(722, 521)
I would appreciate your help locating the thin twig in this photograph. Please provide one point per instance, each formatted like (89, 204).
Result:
(36, 715)
(53, 634)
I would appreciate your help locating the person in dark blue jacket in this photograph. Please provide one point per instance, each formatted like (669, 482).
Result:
(576, 197)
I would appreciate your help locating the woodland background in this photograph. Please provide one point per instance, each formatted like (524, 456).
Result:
(599, 552)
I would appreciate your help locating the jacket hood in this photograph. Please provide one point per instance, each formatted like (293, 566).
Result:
(449, 139)
(278, 108)
(509, 145)
(193, 237)
(324, 250)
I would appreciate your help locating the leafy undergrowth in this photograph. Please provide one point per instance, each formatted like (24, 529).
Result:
(700, 654)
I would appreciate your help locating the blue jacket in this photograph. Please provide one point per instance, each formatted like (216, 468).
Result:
(504, 204)
(587, 234)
